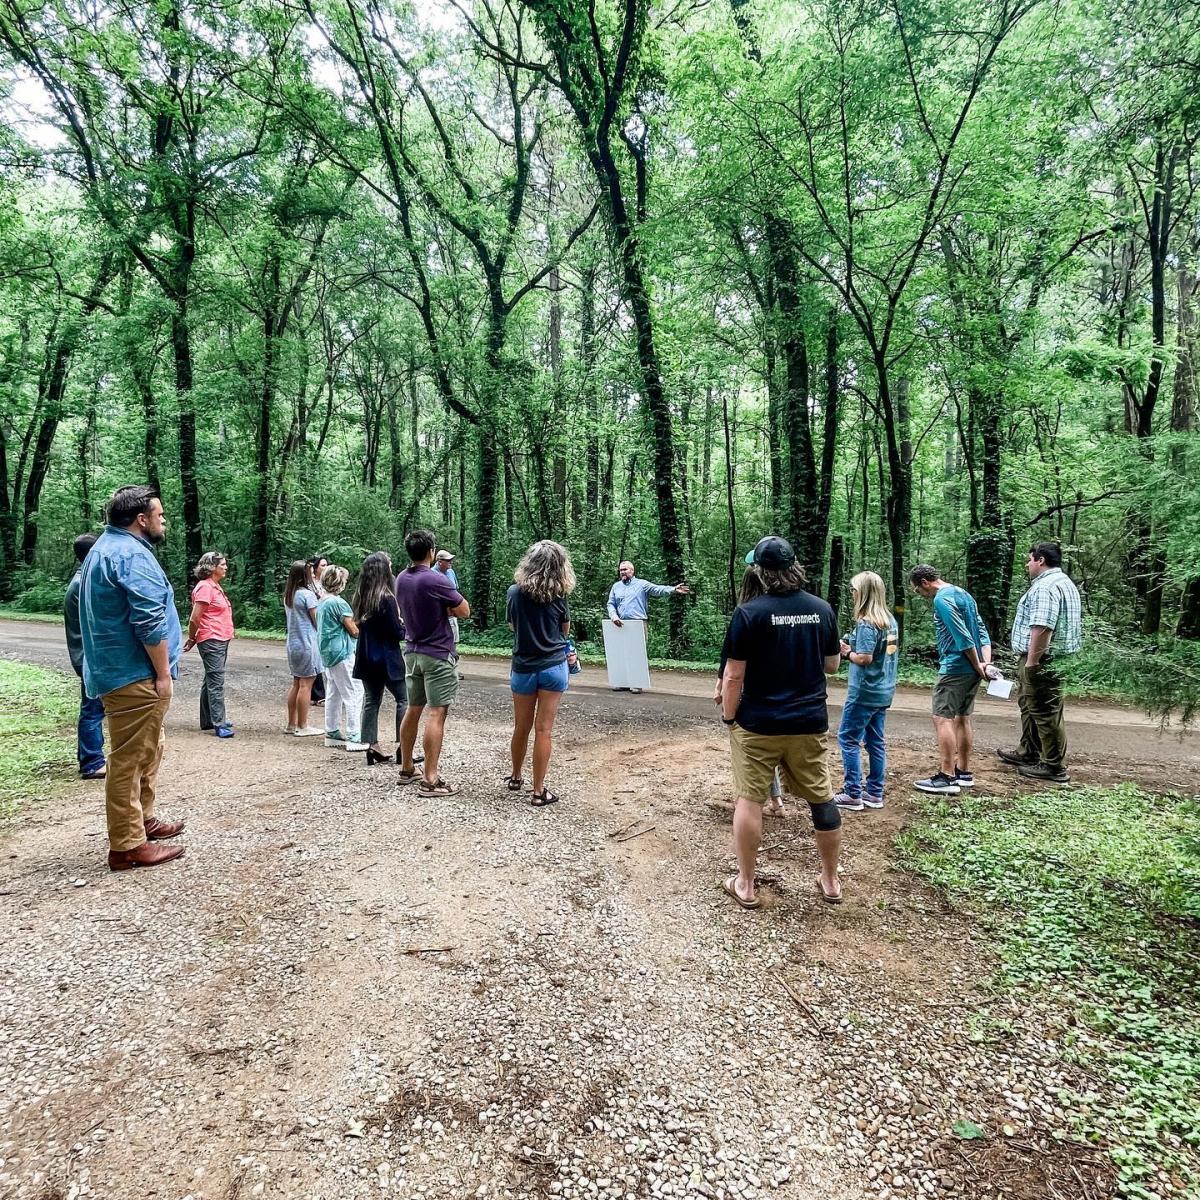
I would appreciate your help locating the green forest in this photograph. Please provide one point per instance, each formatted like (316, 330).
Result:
(904, 280)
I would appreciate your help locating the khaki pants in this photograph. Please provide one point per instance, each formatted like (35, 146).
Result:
(1043, 731)
(136, 739)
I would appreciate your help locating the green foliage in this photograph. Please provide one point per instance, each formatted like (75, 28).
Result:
(37, 592)
(37, 708)
(1094, 899)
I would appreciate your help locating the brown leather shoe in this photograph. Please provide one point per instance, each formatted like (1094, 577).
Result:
(157, 831)
(145, 855)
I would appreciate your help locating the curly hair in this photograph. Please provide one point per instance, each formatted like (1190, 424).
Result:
(209, 563)
(545, 573)
(333, 579)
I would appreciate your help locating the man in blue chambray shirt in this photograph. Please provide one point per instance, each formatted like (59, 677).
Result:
(627, 597)
(131, 646)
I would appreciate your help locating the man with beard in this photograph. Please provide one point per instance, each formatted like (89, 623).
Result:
(131, 646)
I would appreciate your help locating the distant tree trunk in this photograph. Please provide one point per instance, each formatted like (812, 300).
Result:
(990, 547)
(1183, 409)
(51, 403)
(837, 573)
(828, 447)
(729, 480)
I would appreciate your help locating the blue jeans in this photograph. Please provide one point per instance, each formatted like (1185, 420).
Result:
(862, 724)
(89, 733)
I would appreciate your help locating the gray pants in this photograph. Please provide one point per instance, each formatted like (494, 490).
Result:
(212, 690)
(374, 689)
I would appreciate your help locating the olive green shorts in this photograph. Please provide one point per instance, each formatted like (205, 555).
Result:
(954, 695)
(800, 758)
(431, 681)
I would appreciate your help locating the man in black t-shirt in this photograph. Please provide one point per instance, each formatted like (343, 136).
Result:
(779, 648)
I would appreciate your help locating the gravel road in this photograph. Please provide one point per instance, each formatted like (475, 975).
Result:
(343, 990)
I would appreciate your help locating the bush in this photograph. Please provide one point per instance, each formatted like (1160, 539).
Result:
(37, 592)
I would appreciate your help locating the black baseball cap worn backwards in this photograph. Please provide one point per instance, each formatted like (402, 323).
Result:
(772, 553)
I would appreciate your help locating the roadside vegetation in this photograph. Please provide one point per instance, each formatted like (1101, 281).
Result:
(1094, 900)
(37, 713)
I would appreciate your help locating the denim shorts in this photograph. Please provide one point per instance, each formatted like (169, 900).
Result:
(548, 679)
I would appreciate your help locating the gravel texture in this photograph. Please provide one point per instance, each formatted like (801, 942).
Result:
(344, 990)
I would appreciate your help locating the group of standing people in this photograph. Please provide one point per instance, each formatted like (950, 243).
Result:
(398, 636)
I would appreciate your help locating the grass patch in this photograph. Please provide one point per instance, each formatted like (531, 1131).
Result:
(37, 742)
(1094, 898)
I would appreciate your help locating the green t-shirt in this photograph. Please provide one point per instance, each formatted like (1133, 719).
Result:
(336, 644)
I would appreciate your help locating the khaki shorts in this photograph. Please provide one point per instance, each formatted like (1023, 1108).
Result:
(800, 758)
(954, 695)
(431, 681)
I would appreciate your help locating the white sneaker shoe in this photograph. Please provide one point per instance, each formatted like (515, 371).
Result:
(291, 729)
(352, 746)
(334, 742)
(305, 732)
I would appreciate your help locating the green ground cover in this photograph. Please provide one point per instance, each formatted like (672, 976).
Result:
(37, 739)
(1094, 900)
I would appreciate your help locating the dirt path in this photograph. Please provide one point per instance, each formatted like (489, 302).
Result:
(346, 991)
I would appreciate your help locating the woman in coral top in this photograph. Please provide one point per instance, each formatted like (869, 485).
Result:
(210, 627)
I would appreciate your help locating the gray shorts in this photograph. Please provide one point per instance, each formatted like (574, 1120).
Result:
(954, 695)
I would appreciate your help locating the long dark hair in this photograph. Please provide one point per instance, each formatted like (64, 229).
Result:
(297, 579)
(376, 586)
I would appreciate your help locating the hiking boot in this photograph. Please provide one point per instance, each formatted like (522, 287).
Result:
(157, 830)
(964, 779)
(848, 803)
(938, 784)
(1043, 771)
(1015, 758)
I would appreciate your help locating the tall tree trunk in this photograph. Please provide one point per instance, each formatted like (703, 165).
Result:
(729, 480)
(802, 472)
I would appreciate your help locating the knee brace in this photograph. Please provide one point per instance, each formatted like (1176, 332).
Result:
(826, 817)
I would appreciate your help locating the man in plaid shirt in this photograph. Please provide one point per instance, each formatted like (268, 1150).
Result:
(1047, 628)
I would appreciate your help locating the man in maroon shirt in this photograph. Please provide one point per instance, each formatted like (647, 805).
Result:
(427, 600)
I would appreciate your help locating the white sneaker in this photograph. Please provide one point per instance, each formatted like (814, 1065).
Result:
(352, 746)
(291, 729)
(334, 742)
(306, 732)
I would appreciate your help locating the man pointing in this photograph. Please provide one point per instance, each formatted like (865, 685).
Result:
(627, 597)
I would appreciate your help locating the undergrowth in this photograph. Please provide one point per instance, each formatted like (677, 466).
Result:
(37, 711)
(1094, 897)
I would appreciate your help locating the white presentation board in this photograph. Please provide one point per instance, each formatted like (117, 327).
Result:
(625, 654)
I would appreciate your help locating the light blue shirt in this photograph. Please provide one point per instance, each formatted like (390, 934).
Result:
(628, 600)
(957, 625)
(126, 603)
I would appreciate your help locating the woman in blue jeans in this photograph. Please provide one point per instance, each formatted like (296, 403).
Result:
(540, 618)
(871, 649)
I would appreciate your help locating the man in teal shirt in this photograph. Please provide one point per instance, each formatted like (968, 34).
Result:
(131, 646)
(964, 660)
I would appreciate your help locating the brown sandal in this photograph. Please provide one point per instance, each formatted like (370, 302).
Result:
(514, 783)
(542, 798)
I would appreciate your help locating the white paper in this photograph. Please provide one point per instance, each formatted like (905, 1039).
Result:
(1000, 688)
(625, 655)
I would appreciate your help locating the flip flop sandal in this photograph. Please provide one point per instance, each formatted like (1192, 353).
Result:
(439, 789)
(729, 888)
(514, 783)
(542, 798)
(826, 896)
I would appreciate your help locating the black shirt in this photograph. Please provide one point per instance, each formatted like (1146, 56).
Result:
(538, 640)
(378, 654)
(784, 641)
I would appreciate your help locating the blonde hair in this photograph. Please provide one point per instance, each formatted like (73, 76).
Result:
(545, 573)
(333, 579)
(871, 604)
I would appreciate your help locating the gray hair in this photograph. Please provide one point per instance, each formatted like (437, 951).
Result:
(545, 573)
(333, 579)
(209, 563)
